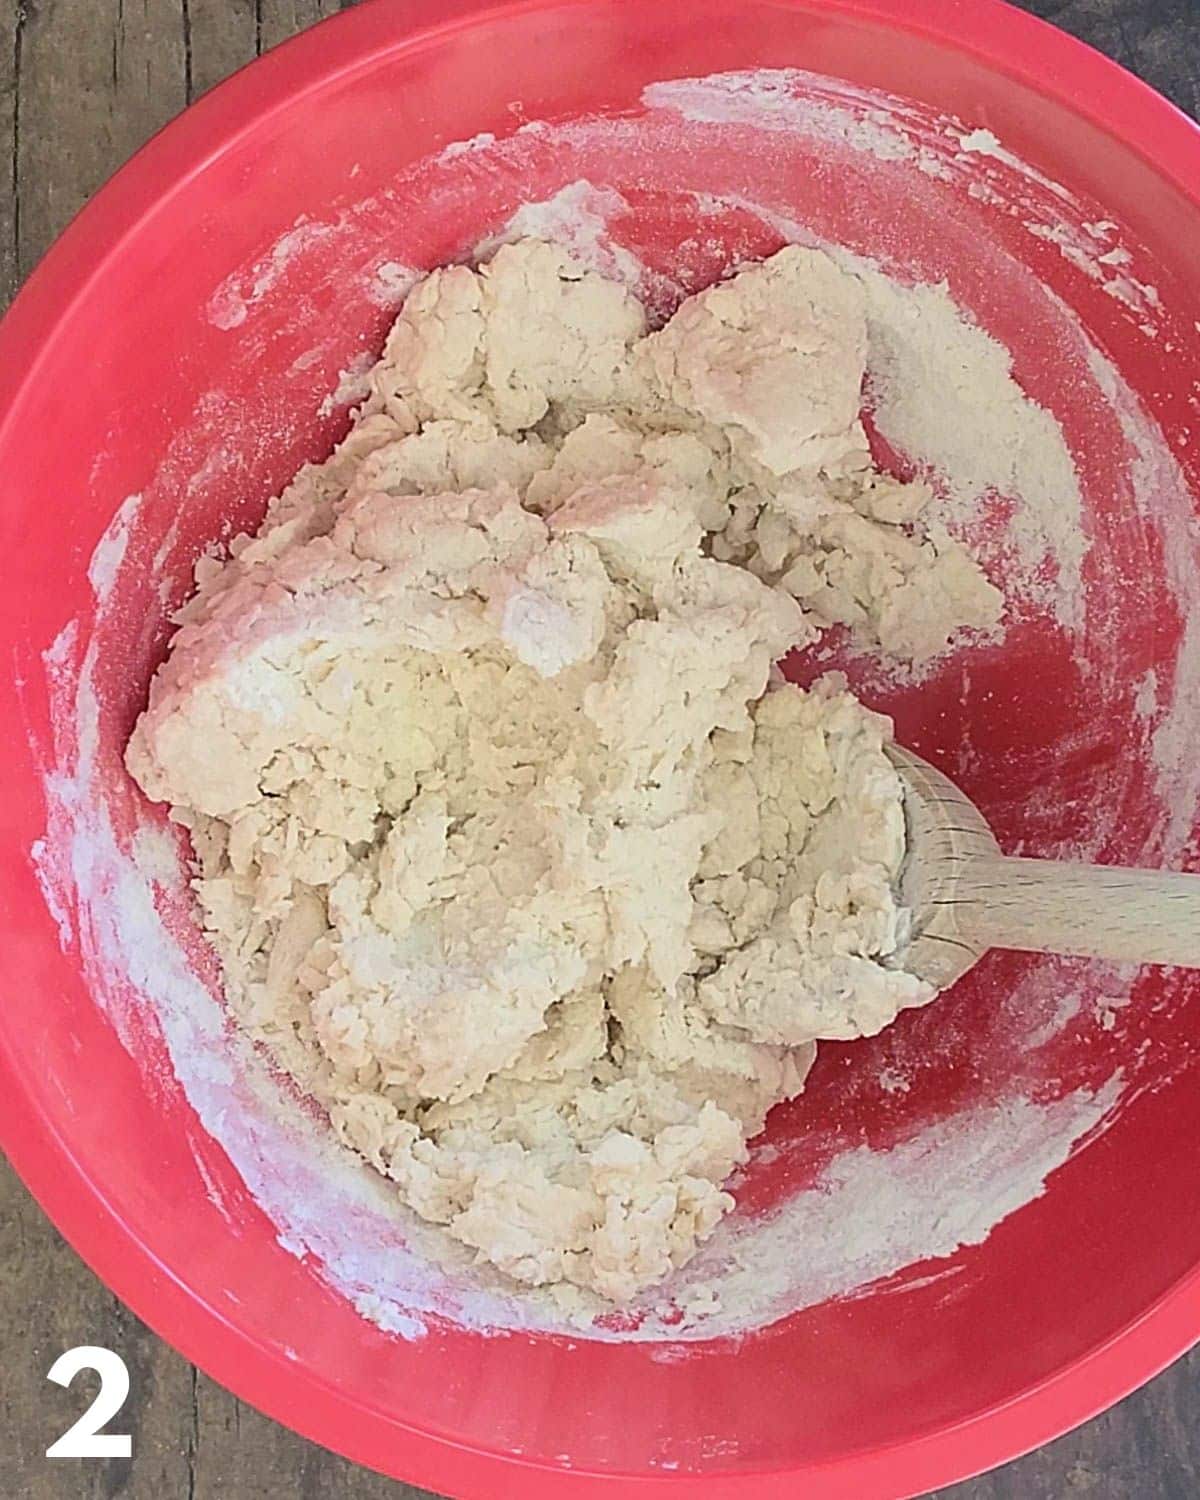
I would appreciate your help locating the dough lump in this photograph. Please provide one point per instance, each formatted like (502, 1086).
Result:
(516, 853)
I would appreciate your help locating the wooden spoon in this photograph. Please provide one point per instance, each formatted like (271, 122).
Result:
(966, 897)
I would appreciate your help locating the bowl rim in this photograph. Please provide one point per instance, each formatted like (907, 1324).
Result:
(996, 34)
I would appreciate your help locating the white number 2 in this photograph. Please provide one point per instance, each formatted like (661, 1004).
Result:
(85, 1439)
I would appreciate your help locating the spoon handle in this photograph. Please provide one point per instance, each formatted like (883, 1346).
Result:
(1092, 911)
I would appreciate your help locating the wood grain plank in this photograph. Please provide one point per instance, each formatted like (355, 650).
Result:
(96, 78)
(90, 81)
(219, 37)
(12, 26)
(51, 1302)
(280, 19)
(245, 1455)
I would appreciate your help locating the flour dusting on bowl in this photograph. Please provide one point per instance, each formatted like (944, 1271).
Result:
(1039, 463)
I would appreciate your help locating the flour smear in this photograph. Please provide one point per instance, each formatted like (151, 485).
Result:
(948, 398)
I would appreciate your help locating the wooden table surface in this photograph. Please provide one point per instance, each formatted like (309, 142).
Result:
(82, 84)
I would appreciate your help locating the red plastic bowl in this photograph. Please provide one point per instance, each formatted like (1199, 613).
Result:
(177, 345)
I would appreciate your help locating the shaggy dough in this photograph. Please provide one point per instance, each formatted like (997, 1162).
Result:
(516, 855)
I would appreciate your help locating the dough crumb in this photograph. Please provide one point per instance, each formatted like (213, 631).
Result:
(517, 855)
